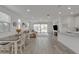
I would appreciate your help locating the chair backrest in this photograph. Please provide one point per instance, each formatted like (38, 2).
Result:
(21, 39)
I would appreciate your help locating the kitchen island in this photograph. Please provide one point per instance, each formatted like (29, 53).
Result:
(69, 39)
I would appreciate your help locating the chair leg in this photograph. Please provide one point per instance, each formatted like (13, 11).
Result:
(12, 49)
(24, 46)
(0, 50)
(21, 49)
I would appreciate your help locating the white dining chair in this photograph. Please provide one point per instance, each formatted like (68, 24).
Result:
(15, 38)
(27, 39)
(21, 42)
(6, 47)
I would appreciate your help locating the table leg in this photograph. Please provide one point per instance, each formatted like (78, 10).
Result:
(15, 47)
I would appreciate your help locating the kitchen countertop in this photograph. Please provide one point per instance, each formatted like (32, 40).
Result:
(71, 40)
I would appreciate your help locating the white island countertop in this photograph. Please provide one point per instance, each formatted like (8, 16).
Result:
(71, 40)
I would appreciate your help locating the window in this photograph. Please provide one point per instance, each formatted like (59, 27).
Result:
(5, 21)
(37, 27)
(41, 28)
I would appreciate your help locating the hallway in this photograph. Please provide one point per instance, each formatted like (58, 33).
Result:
(44, 45)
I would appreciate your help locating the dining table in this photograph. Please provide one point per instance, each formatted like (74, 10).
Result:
(9, 37)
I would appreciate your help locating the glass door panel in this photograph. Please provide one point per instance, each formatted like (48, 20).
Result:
(41, 28)
(44, 28)
(37, 27)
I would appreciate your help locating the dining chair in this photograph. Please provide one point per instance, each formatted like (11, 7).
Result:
(6, 47)
(27, 38)
(21, 42)
(15, 38)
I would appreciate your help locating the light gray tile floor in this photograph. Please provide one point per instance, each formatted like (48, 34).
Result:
(44, 45)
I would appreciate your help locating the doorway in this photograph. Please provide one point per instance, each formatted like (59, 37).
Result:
(42, 29)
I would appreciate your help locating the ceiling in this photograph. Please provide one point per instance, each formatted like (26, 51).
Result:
(44, 12)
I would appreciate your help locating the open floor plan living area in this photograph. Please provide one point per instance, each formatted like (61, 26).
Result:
(39, 29)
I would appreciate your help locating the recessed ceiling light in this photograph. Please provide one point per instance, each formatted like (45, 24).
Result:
(59, 12)
(69, 8)
(28, 10)
(19, 20)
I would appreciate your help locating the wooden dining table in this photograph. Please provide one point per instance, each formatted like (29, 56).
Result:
(9, 38)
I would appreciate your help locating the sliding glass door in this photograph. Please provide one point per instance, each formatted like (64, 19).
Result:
(40, 28)
(37, 27)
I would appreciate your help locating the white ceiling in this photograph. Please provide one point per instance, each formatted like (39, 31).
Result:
(43, 11)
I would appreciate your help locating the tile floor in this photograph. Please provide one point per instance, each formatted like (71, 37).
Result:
(44, 45)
